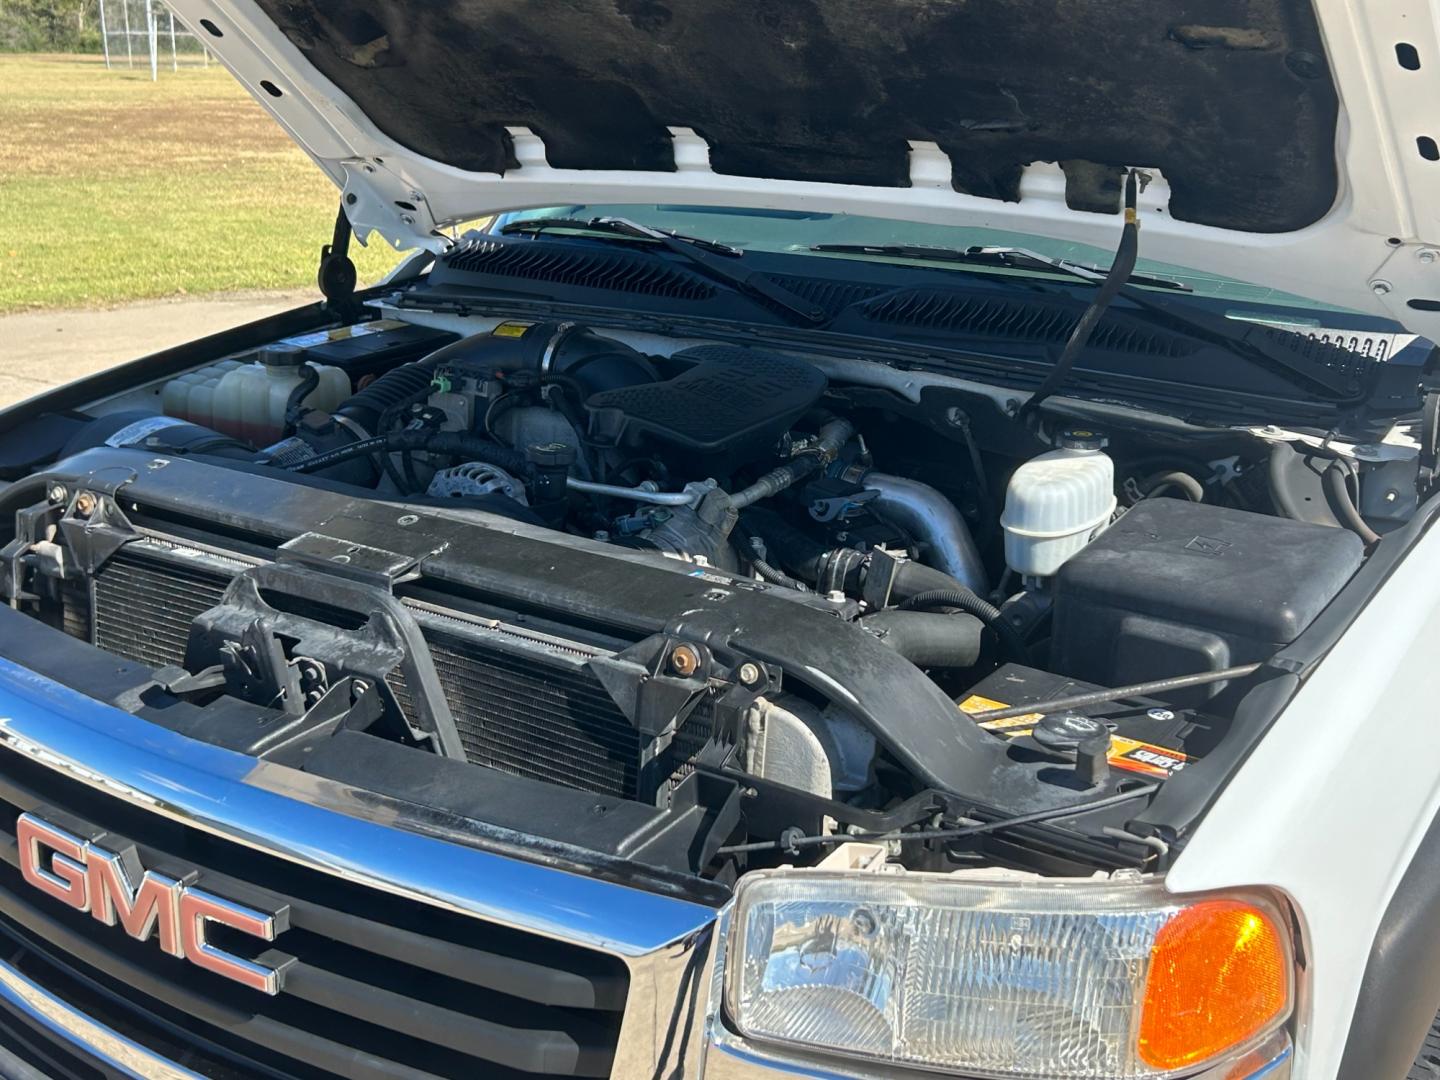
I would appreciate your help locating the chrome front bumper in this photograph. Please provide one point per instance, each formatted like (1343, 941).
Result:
(110, 1049)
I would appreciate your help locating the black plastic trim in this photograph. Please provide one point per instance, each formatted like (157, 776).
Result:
(1400, 991)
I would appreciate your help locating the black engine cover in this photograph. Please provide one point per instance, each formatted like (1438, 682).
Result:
(733, 404)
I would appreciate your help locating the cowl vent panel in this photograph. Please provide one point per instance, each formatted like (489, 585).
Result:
(1016, 320)
(565, 265)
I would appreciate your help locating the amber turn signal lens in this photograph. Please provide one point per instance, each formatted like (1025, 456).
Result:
(1219, 975)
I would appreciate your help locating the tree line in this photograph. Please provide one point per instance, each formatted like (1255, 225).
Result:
(49, 26)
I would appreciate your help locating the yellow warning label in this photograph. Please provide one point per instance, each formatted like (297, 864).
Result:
(1125, 753)
(977, 704)
(343, 333)
(1142, 757)
(511, 329)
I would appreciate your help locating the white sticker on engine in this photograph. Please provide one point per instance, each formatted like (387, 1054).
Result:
(131, 434)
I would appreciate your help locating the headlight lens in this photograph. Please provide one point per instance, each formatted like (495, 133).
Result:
(1065, 980)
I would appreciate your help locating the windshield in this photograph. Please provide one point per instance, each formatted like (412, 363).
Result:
(797, 232)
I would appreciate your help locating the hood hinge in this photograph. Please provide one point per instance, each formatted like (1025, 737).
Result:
(336, 275)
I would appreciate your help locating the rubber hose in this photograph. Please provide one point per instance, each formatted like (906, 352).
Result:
(929, 639)
(392, 389)
(340, 454)
(914, 579)
(775, 576)
(842, 568)
(309, 380)
(986, 612)
(1337, 484)
(470, 446)
(834, 434)
(804, 557)
(775, 481)
(1173, 478)
(1279, 493)
(752, 548)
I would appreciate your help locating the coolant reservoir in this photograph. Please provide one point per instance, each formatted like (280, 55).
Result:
(249, 400)
(1057, 503)
(192, 396)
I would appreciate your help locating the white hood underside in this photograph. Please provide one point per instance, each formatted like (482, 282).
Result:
(1377, 250)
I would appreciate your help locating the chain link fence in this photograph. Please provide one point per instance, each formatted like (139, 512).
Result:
(145, 33)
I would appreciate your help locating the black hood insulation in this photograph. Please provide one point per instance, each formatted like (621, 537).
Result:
(1231, 99)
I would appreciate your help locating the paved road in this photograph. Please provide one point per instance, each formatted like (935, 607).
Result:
(46, 348)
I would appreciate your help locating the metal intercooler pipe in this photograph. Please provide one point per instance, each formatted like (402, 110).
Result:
(927, 515)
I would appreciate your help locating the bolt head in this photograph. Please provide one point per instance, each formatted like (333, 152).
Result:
(57, 493)
(749, 673)
(1428, 256)
(684, 660)
(85, 504)
(407, 519)
(1380, 287)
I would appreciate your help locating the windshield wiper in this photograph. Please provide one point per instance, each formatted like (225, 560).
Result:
(716, 259)
(1012, 258)
(1249, 341)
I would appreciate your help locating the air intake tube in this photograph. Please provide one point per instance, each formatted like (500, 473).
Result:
(931, 518)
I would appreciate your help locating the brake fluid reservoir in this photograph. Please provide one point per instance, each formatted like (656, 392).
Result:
(1057, 503)
(250, 400)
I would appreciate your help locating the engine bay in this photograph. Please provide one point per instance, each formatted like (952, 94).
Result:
(691, 606)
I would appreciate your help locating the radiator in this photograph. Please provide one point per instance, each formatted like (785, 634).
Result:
(523, 703)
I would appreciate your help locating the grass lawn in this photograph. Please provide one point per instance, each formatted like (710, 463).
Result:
(115, 188)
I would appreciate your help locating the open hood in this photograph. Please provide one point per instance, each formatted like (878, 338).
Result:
(1289, 144)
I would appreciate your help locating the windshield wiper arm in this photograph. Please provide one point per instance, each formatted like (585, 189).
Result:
(716, 259)
(1250, 341)
(1012, 258)
(619, 226)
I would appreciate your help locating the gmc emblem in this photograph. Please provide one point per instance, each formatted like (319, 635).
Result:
(114, 888)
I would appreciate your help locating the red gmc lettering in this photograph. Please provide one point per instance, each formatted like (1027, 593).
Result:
(65, 878)
(114, 888)
(139, 910)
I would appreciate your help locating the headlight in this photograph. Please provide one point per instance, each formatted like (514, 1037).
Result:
(1065, 980)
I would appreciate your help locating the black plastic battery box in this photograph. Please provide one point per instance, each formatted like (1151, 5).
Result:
(1149, 737)
(1175, 588)
(370, 348)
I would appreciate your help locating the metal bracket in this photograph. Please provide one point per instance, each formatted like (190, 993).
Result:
(248, 628)
(364, 550)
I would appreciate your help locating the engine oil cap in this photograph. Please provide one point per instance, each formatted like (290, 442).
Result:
(1065, 731)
